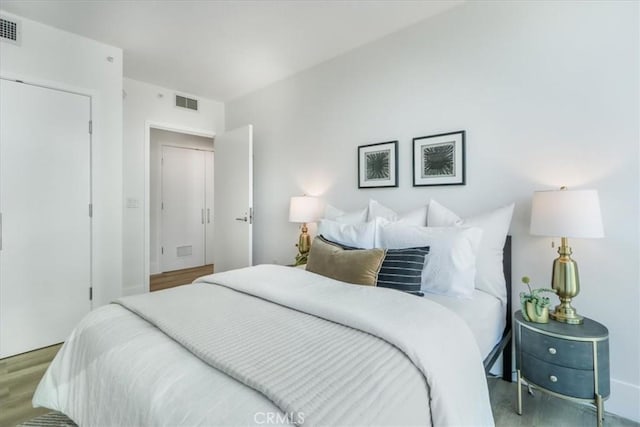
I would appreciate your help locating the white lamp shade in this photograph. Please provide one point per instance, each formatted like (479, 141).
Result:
(566, 213)
(304, 209)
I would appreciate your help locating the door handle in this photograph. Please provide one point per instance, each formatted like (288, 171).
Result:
(208, 216)
(244, 219)
(202, 215)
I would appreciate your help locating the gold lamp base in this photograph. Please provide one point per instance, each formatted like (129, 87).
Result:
(566, 283)
(566, 314)
(304, 244)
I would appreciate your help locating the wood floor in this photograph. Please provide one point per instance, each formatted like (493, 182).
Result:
(171, 279)
(19, 377)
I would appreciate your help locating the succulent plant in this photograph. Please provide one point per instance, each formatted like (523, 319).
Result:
(535, 297)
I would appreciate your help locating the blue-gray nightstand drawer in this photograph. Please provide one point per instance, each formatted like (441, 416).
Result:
(560, 379)
(563, 352)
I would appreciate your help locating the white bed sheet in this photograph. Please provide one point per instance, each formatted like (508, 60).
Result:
(484, 313)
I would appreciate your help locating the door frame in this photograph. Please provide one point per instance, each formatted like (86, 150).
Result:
(148, 125)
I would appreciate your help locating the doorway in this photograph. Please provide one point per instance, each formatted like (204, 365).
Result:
(180, 205)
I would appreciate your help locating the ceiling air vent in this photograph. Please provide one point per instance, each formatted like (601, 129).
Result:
(9, 30)
(184, 102)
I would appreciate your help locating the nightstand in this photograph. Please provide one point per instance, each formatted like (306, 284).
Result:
(567, 361)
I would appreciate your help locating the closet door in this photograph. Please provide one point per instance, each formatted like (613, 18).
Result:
(183, 208)
(46, 229)
(208, 183)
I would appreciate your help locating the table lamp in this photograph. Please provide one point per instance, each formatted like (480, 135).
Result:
(566, 213)
(304, 209)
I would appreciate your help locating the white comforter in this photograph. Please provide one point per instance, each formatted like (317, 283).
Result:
(117, 369)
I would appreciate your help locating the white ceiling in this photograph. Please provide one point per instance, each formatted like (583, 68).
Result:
(224, 49)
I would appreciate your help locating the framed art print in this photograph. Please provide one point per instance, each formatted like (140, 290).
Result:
(439, 159)
(378, 165)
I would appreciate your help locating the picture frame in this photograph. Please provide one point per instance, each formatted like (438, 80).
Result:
(439, 159)
(378, 165)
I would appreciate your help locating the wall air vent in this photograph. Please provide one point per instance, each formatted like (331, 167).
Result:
(9, 30)
(184, 102)
(184, 250)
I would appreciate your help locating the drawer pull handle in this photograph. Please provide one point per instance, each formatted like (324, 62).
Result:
(552, 350)
(553, 379)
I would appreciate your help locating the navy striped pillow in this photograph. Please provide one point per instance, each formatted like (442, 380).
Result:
(402, 269)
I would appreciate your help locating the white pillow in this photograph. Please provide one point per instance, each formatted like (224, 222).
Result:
(360, 235)
(450, 267)
(334, 214)
(495, 226)
(413, 217)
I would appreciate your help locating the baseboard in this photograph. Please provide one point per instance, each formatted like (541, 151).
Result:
(154, 268)
(624, 400)
(132, 290)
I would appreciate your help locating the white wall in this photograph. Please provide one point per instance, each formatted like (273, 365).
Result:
(548, 95)
(146, 104)
(160, 138)
(66, 61)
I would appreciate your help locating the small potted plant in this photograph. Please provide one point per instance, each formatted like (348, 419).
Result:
(535, 307)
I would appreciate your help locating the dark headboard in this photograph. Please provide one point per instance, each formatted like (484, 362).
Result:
(506, 268)
(504, 346)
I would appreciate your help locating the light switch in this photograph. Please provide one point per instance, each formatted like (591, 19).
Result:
(132, 203)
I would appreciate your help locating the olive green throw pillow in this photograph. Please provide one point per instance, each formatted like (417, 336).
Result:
(357, 266)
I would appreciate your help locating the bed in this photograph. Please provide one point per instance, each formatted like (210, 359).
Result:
(277, 345)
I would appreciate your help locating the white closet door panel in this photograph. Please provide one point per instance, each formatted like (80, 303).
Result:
(183, 213)
(208, 183)
(44, 200)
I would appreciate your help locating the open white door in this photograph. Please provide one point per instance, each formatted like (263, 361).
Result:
(233, 199)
